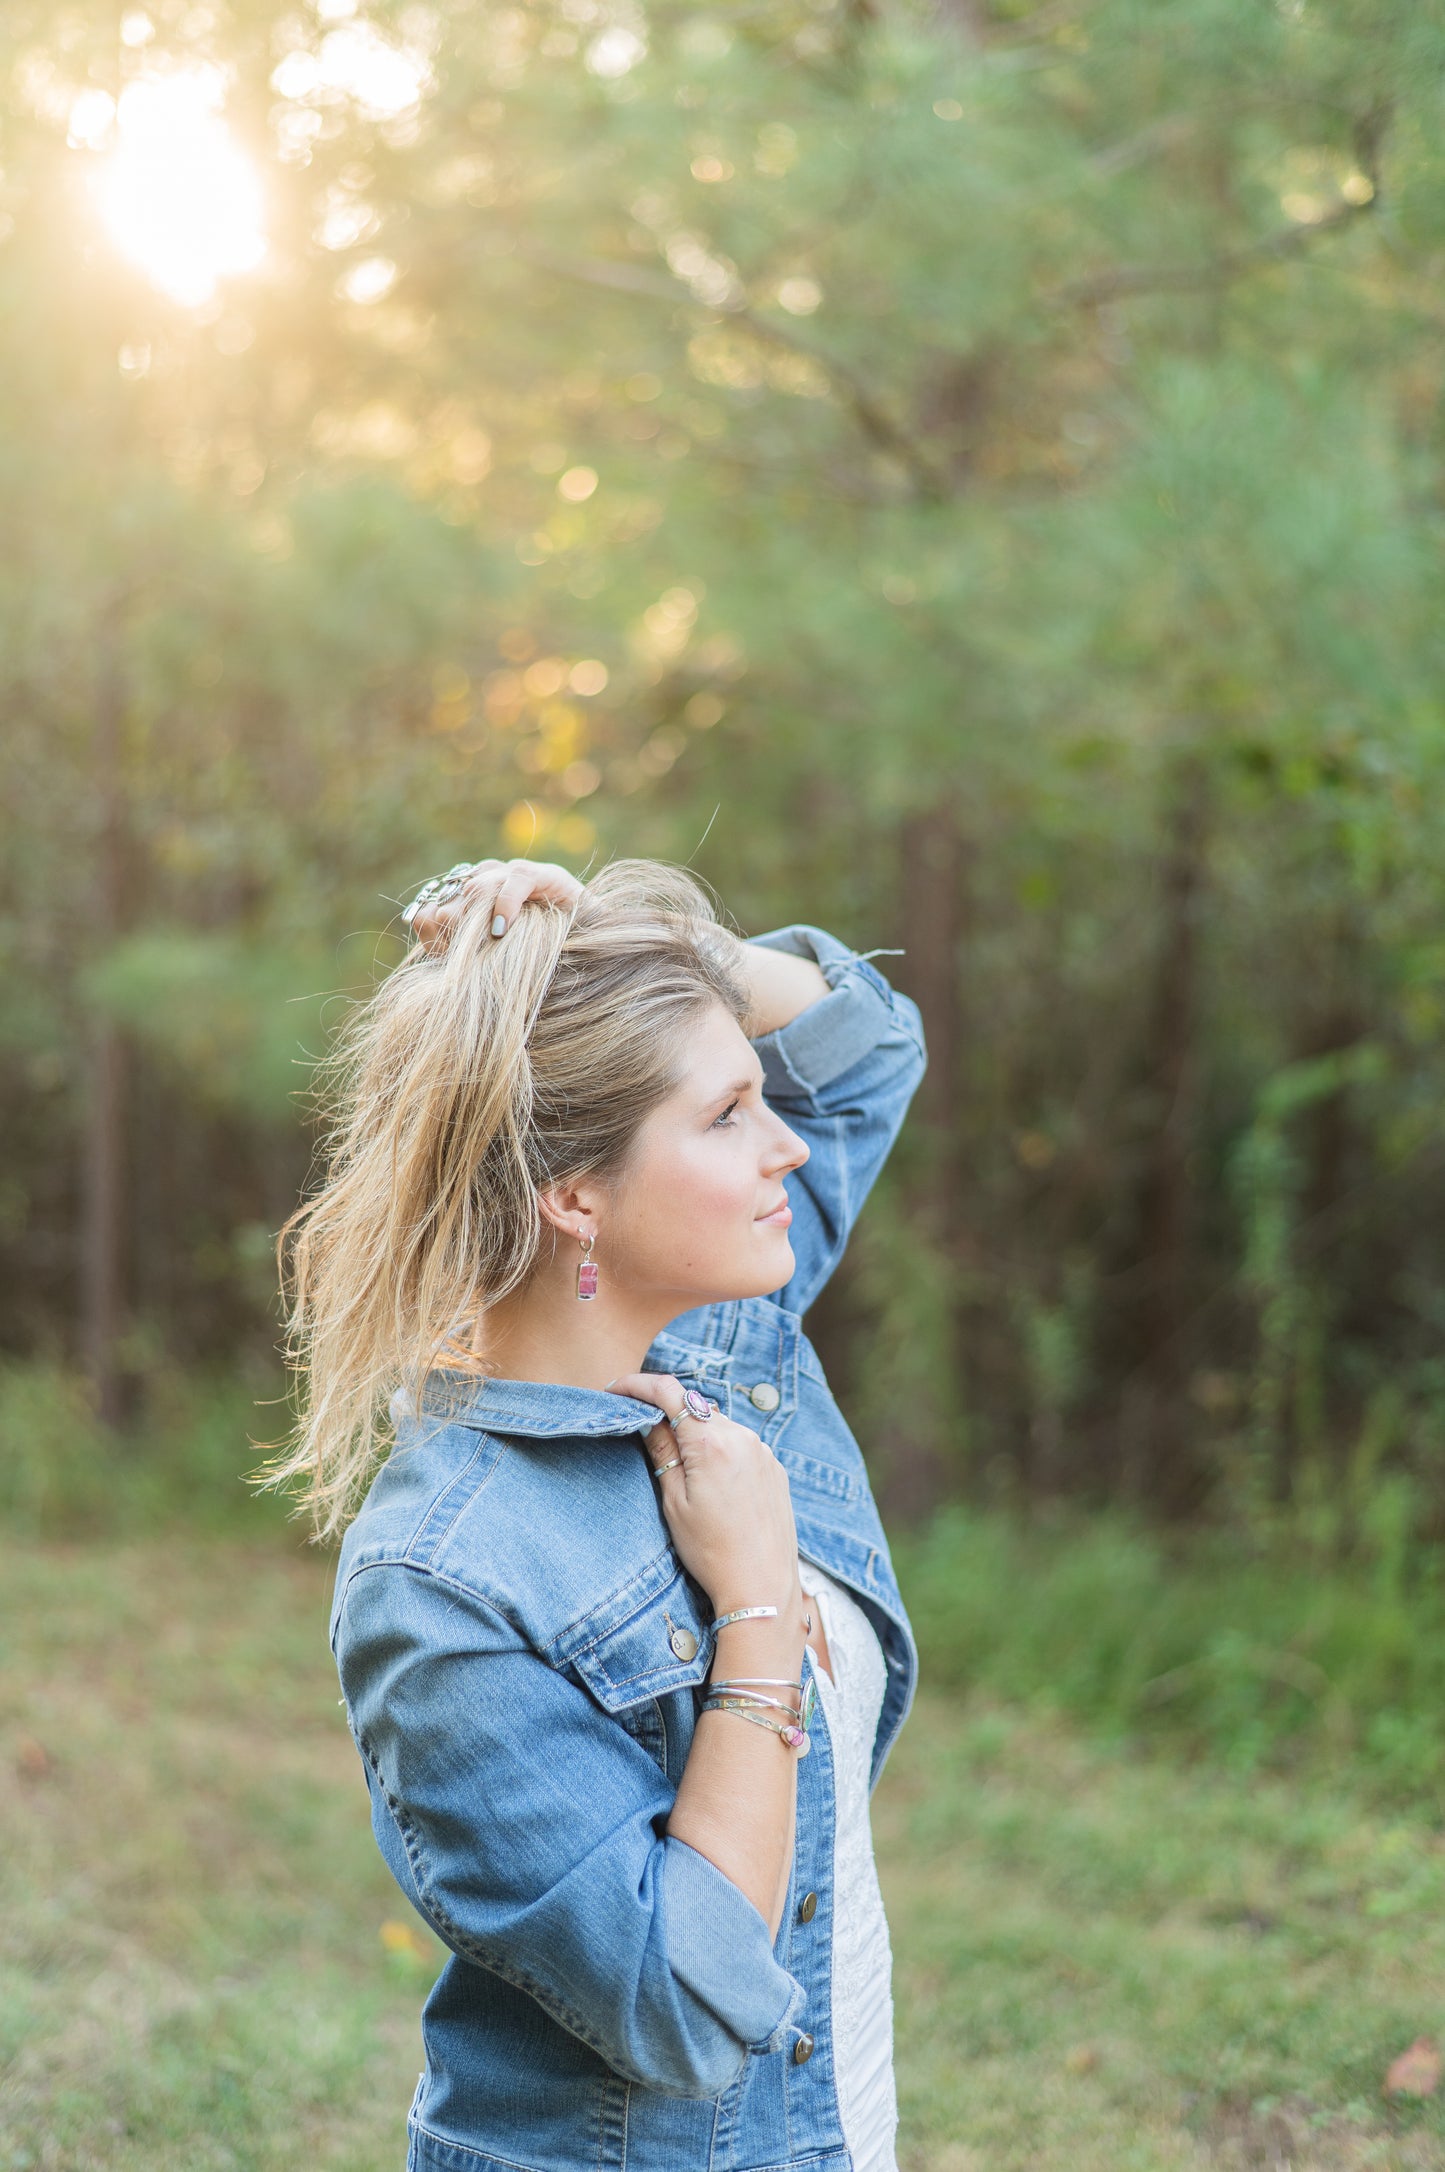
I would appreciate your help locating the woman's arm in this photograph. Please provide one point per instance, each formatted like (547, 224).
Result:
(729, 1513)
(737, 1799)
(842, 1070)
(780, 986)
(535, 1835)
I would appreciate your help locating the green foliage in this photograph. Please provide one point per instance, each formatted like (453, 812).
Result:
(59, 1469)
(233, 1020)
(179, 1464)
(751, 438)
(1249, 1659)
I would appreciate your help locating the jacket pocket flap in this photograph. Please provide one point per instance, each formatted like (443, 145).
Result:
(664, 1646)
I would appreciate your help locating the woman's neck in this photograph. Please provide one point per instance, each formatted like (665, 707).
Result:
(532, 1336)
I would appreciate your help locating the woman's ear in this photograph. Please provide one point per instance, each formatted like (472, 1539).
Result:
(571, 1208)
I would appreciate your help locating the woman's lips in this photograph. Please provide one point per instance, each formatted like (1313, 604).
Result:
(779, 1218)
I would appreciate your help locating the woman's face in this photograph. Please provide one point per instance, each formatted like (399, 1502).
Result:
(695, 1218)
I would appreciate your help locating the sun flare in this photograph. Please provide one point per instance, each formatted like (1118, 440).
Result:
(178, 197)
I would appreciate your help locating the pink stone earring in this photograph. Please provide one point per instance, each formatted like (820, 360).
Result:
(587, 1268)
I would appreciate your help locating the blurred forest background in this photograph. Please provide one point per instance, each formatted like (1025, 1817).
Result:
(967, 473)
(968, 476)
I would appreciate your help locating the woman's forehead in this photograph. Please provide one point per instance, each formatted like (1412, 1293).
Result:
(716, 1058)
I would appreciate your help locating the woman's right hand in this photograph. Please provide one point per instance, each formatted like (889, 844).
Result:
(727, 1504)
(503, 887)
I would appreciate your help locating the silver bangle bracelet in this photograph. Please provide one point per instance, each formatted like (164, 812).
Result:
(759, 1681)
(743, 1613)
(748, 1698)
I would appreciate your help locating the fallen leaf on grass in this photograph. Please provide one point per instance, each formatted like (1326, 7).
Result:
(402, 1938)
(1416, 2073)
(32, 1757)
(1081, 2060)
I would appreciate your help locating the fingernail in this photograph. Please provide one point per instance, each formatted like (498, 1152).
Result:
(499, 925)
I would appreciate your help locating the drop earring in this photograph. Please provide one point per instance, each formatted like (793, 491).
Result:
(587, 1268)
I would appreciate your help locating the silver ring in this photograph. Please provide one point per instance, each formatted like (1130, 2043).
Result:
(439, 890)
(694, 1405)
(659, 1468)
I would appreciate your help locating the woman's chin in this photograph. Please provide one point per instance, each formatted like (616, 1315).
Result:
(770, 1270)
(783, 1273)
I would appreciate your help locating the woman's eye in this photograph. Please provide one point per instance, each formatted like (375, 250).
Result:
(723, 1119)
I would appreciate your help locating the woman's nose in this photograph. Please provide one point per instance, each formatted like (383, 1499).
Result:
(795, 1150)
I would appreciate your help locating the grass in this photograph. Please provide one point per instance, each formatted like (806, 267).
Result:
(1106, 1959)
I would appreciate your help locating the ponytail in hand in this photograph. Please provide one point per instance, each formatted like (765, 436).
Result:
(472, 1079)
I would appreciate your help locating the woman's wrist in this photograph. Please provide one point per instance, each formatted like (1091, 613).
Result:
(761, 1647)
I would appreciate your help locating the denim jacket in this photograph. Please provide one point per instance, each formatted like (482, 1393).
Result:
(505, 1627)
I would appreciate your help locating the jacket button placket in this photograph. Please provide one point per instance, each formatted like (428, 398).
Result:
(812, 2103)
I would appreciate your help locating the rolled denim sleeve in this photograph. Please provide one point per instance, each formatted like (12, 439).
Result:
(531, 1829)
(842, 1073)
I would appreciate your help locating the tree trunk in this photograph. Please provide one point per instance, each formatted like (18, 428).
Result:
(1165, 1216)
(103, 1186)
(934, 867)
(933, 863)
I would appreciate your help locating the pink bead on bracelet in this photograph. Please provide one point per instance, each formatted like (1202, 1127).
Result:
(790, 1733)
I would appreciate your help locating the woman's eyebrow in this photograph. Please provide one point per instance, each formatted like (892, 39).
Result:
(738, 1086)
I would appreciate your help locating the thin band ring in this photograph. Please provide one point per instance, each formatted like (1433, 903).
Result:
(659, 1468)
(694, 1405)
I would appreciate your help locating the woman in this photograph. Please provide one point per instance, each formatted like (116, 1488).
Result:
(621, 1682)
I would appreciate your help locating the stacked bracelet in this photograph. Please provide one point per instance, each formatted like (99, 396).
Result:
(740, 1694)
(793, 1735)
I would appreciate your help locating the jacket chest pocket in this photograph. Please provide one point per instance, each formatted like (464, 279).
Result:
(644, 1657)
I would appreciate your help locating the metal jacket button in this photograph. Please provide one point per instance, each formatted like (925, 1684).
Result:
(764, 1396)
(807, 1907)
(802, 2050)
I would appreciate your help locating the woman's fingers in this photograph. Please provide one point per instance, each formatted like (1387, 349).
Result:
(665, 1442)
(501, 888)
(526, 879)
(663, 1389)
(433, 923)
(667, 1392)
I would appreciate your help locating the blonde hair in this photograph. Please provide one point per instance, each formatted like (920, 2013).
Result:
(468, 1082)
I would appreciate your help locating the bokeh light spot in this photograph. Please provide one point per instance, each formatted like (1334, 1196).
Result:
(800, 297)
(178, 197)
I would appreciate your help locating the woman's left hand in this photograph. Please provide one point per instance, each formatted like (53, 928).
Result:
(503, 887)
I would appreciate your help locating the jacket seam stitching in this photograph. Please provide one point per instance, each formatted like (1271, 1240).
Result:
(482, 2155)
(445, 1582)
(486, 1440)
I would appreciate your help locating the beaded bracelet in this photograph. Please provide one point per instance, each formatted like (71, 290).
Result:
(794, 1737)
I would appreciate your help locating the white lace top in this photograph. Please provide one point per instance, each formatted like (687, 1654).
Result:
(862, 1957)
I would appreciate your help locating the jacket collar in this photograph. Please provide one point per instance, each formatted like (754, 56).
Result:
(541, 1409)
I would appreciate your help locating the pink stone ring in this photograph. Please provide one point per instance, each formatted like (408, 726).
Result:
(694, 1405)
